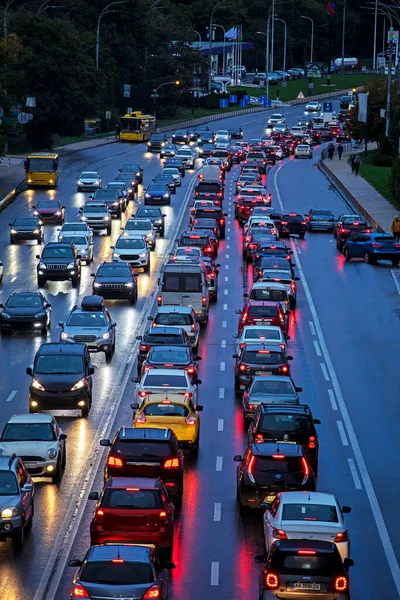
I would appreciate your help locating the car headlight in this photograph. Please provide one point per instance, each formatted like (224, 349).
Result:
(106, 218)
(165, 195)
(115, 203)
(158, 222)
(58, 213)
(5, 315)
(149, 235)
(35, 212)
(97, 285)
(80, 384)
(143, 255)
(130, 190)
(80, 182)
(42, 266)
(37, 385)
(105, 336)
(83, 218)
(15, 231)
(34, 231)
(7, 513)
(138, 174)
(39, 315)
(71, 265)
(149, 143)
(147, 196)
(65, 336)
(52, 452)
(129, 285)
(116, 255)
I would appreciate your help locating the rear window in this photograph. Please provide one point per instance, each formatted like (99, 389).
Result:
(180, 355)
(385, 240)
(310, 512)
(182, 282)
(320, 211)
(263, 357)
(167, 380)
(162, 338)
(166, 410)
(173, 319)
(268, 387)
(267, 464)
(263, 311)
(282, 423)
(209, 187)
(293, 218)
(205, 213)
(131, 498)
(274, 295)
(311, 565)
(143, 448)
(194, 240)
(126, 573)
(262, 334)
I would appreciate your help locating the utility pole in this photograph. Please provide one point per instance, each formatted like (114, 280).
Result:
(374, 62)
(272, 35)
(343, 38)
(389, 81)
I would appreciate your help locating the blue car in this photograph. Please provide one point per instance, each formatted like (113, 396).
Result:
(372, 247)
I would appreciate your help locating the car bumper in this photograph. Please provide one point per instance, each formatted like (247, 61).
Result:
(119, 294)
(98, 225)
(9, 527)
(62, 275)
(292, 595)
(386, 255)
(43, 468)
(135, 262)
(95, 346)
(322, 225)
(88, 188)
(63, 400)
(157, 201)
(22, 324)
(21, 235)
(160, 540)
(292, 230)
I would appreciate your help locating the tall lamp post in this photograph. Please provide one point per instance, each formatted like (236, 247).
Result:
(343, 38)
(105, 11)
(284, 41)
(223, 48)
(45, 6)
(197, 33)
(312, 37)
(155, 95)
(210, 36)
(7, 6)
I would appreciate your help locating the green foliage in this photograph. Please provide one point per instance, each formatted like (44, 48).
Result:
(382, 160)
(395, 182)
(377, 90)
(385, 146)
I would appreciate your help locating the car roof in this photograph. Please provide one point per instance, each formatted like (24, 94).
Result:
(312, 497)
(26, 294)
(54, 348)
(31, 418)
(284, 378)
(262, 303)
(302, 409)
(108, 552)
(164, 372)
(129, 482)
(145, 433)
(59, 244)
(271, 284)
(174, 309)
(255, 347)
(166, 330)
(270, 448)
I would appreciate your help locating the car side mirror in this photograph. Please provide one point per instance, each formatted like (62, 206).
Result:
(198, 381)
(316, 421)
(199, 407)
(75, 563)
(91, 370)
(348, 562)
(134, 406)
(198, 358)
(62, 436)
(139, 338)
(288, 337)
(149, 319)
(237, 458)
(38, 256)
(135, 379)
(92, 274)
(28, 487)
(1, 305)
(289, 357)
(163, 215)
(346, 509)
(298, 389)
(235, 355)
(297, 278)
(245, 295)
(113, 323)
(105, 443)
(169, 565)
(238, 311)
(112, 247)
(93, 496)
(29, 371)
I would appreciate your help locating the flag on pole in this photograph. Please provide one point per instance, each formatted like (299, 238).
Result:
(331, 7)
(231, 34)
(239, 34)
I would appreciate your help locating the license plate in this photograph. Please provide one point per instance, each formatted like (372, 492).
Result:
(269, 499)
(30, 465)
(263, 372)
(305, 586)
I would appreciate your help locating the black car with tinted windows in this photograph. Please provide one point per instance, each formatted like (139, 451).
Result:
(347, 225)
(133, 168)
(292, 223)
(181, 136)
(59, 261)
(25, 310)
(116, 205)
(326, 134)
(116, 281)
(26, 228)
(176, 163)
(259, 359)
(283, 423)
(154, 215)
(61, 378)
(205, 137)
(209, 190)
(214, 212)
(156, 142)
(206, 224)
(172, 357)
(168, 151)
(160, 336)
(131, 183)
(236, 133)
(166, 179)
(206, 150)
(200, 239)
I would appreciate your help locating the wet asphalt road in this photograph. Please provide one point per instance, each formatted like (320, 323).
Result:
(344, 340)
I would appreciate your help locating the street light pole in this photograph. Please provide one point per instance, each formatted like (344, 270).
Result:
(343, 38)
(45, 6)
(197, 33)
(7, 6)
(272, 35)
(210, 36)
(155, 95)
(389, 83)
(105, 11)
(284, 41)
(223, 48)
(312, 36)
(374, 62)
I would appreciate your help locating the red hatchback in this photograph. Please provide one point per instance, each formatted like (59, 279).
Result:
(257, 312)
(134, 510)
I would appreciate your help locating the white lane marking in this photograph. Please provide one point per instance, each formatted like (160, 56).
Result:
(226, 292)
(353, 470)
(222, 392)
(226, 266)
(222, 366)
(228, 246)
(362, 467)
(223, 323)
(223, 343)
(217, 511)
(324, 371)
(218, 463)
(225, 307)
(215, 573)
(226, 255)
(11, 396)
(317, 348)
(220, 424)
(342, 433)
(311, 324)
(396, 281)
(332, 399)
(226, 278)
(228, 237)
(229, 229)
(13, 279)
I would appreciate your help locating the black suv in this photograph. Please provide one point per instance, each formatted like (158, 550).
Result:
(59, 261)
(26, 228)
(283, 423)
(269, 468)
(116, 204)
(156, 142)
(259, 359)
(116, 281)
(213, 212)
(308, 568)
(160, 336)
(61, 378)
(146, 452)
(25, 310)
(154, 215)
(292, 223)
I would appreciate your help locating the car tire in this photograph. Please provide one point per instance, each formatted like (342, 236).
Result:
(78, 189)
(214, 298)
(347, 255)
(395, 262)
(368, 258)
(301, 236)
(75, 281)
(11, 239)
(18, 539)
(110, 353)
(58, 473)
(29, 524)
(41, 282)
(108, 230)
(85, 410)
(146, 268)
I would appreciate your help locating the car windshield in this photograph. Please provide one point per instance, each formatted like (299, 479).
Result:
(268, 387)
(274, 295)
(58, 252)
(180, 356)
(166, 409)
(74, 227)
(8, 484)
(24, 300)
(28, 432)
(293, 218)
(42, 165)
(116, 574)
(57, 364)
(164, 380)
(113, 270)
(179, 319)
(78, 240)
(131, 244)
(262, 357)
(89, 175)
(48, 204)
(387, 239)
(131, 168)
(105, 195)
(131, 498)
(182, 282)
(156, 187)
(310, 512)
(262, 334)
(262, 311)
(148, 212)
(95, 208)
(25, 221)
(278, 275)
(87, 319)
(114, 185)
(138, 225)
(282, 423)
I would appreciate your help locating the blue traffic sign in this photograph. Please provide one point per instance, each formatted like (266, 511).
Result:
(327, 107)
(267, 103)
(243, 103)
(233, 99)
(246, 98)
(223, 103)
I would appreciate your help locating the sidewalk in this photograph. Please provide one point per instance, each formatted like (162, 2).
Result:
(366, 200)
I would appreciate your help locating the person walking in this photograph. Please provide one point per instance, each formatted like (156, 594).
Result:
(340, 151)
(277, 94)
(357, 165)
(117, 131)
(351, 161)
(395, 228)
(331, 150)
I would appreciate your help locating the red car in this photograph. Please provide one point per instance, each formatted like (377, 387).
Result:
(257, 312)
(49, 211)
(134, 510)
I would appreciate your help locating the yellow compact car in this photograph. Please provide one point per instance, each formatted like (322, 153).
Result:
(177, 413)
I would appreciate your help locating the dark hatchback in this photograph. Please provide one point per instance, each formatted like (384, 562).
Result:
(131, 183)
(292, 223)
(160, 336)
(213, 212)
(59, 261)
(61, 378)
(26, 228)
(157, 193)
(50, 211)
(147, 452)
(168, 180)
(347, 227)
(199, 239)
(175, 163)
(115, 204)
(133, 168)
(269, 468)
(156, 142)
(206, 150)
(259, 359)
(154, 215)
(116, 281)
(172, 357)
(25, 310)
(181, 136)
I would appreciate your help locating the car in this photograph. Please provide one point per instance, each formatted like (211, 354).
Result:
(305, 567)
(122, 190)
(276, 119)
(166, 384)
(131, 183)
(167, 180)
(83, 245)
(206, 150)
(134, 169)
(110, 569)
(151, 452)
(159, 334)
(258, 158)
(262, 313)
(222, 133)
(140, 228)
(89, 181)
(269, 468)
(90, 324)
(136, 510)
(211, 211)
(292, 224)
(157, 193)
(116, 281)
(26, 228)
(16, 501)
(372, 247)
(199, 239)
(208, 224)
(116, 205)
(180, 136)
(187, 253)
(304, 122)
(157, 142)
(59, 261)
(243, 180)
(212, 277)
(286, 422)
(183, 317)
(303, 151)
(270, 290)
(350, 228)
(154, 215)
(174, 173)
(187, 157)
(275, 249)
(259, 359)
(236, 133)
(313, 107)
(320, 218)
(25, 310)
(39, 441)
(172, 357)
(269, 389)
(168, 151)
(254, 334)
(316, 515)
(284, 276)
(96, 215)
(262, 271)
(345, 101)
(75, 228)
(174, 163)
(179, 414)
(133, 250)
(61, 378)
(49, 211)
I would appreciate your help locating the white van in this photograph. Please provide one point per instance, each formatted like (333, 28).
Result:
(210, 173)
(184, 283)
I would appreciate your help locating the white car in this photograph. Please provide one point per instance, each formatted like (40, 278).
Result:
(165, 384)
(39, 441)
(75, 228)
(254, 334)
(307, 515)
(222, 133)
(187, 157)
(84, 245)
(140, 228)
(276, 119)
(303, 151)
(175, 174)
(187, 253)
(89, 181)
(271, 291)
(258, 223)
(222, 142)
(179, 316)
(133, 250)
(282, 276)
(297, 131)
(278, 152)
(313, 107)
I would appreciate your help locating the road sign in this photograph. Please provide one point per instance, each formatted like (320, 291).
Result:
(267, 103)
(108, 115)
(31, 101)
(300, 96)
(127, 90)
(233, 99)
(243, 103)
(327, 107)
(23, 118)
(246, 98)
(223, 103)
(130, 110)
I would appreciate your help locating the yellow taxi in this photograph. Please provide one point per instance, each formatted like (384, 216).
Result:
(178, 414)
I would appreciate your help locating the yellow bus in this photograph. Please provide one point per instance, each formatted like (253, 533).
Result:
(42, 169)
(137, 127)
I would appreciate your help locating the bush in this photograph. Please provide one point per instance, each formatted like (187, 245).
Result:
(382, 160)
(395, 182)
(385, 147)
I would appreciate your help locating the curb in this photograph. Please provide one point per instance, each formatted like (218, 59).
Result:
(20, 187)
(60, 149)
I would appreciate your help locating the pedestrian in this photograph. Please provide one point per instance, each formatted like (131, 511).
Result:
(357, 165)
(395, 227)
(277, 95)
(117, 131)
(352, 159)
(340, 151)
(331, 150)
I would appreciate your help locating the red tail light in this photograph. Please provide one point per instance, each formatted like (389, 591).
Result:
(271, 580)
(341, 584)
(79, 591)
(248, 239)
(278, 456)
(193, 327)
(140, 419)
(172, 463)
(208, 249)
(396, 245)
(242, 368)
(284, 222)
(311, 441)
(306, 467)
(342, 536)
(190, 370)
(250, 466)
(143, 394)
(376, 245)
(259, 439)
(221, 221)
(244, 317)
(118, 561)
(144, 348)
(99, 514)
(114, 461)
(153, 592)
(284, 369)
(307, 552)
(279, 534)
(303, 223)
(159, 300)
(293, 286)
(190, 421)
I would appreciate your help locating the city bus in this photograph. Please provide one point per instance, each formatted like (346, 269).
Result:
(42, 169)
(137, 127)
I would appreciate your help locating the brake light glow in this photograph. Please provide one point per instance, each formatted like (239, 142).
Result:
(376, 245)
(278, 533)
(159, 300)
(341, 584)
(259, 439)
(172, 463)
(306, 467)
(190, 421)
(166, 402)
(242, 368)
(132, 489)
(114, 461)
(204, 301)
(263, 352)
(342, 536)
(153, 592)
(284, 222)
(99, 514)
(284, 369)
(311, 441)
(79, 591)
(271, 580)
(118, 561)
(190, 370)
(278, 456)
(144, 348)
(307, 552)
(142, 394)
(396, 245)
(208, 249)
